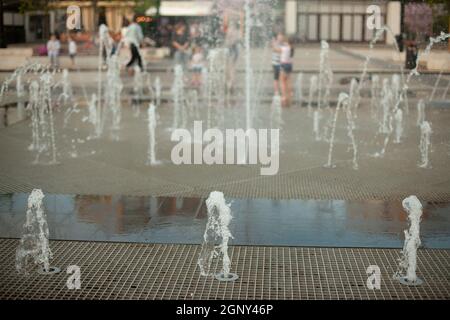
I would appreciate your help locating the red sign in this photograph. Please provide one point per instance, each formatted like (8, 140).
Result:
(143, 19)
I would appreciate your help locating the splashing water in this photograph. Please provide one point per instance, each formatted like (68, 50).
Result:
(138, 90)
(103, 36)
(205, 82)
(317, 115)
(248, 66)
(362, 78)
(406, 273)
(219, 217)
(157, 86)
(152, 121)
(92, 111)
(178, 96)
(276, 120)
(433, 92)
(420, 112)
(33, 107)
(19, 72)
(352, 99)
(433, 40)
(386, 107)
(312, 91)
(395, 88)
(112, 109)
(425, 144)
(47, 79)
(299, 89)
(67, 93)
(20, 92)
(351, 126)
(444, 94)
(325, 76)
(194, 103)
(375, 96)
(390, 107)
(215, 84)
(69, 112)
(34, 245)
(398, 117)
(43, 123)
(343, 98)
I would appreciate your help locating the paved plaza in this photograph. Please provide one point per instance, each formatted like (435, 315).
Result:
(147, 253)
(106, 167)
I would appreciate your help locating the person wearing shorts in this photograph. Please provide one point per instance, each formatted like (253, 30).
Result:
(276, 47)
(286, 55)
(197, 64)
(72, 51)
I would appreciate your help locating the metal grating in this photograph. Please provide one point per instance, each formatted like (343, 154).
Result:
(150, 271)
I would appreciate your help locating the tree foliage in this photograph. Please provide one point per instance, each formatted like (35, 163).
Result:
(33, 5)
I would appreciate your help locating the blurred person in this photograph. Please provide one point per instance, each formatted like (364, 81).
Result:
(72, 51)
(286, 51)
(232, 42)
(53, 47)
(286, 64)
(194, 32)
(197, 65)
(134, 37)
(276, 64)
(180, 43)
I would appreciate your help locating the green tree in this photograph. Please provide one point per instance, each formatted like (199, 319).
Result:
(143, 5)
(33, 5)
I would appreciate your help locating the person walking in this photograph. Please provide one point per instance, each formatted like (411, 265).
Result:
(53, 47)
(134, 37)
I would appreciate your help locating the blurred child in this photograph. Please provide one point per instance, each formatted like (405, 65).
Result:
(286, 55)
(276, 49)
(197, 64)
(53, 47)
(72, 50)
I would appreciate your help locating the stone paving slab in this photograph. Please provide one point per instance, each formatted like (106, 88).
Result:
(106, 166)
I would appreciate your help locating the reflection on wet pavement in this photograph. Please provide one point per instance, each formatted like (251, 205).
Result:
(330, 223)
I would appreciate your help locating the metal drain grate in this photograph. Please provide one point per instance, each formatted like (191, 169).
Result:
(150, 271)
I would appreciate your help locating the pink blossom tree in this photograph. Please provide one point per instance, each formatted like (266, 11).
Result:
(419, 18)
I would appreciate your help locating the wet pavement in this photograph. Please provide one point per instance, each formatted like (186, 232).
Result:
(266, 222)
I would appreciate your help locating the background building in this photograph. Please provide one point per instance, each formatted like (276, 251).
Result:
(338, 20)
(11, 23)
(307, 20)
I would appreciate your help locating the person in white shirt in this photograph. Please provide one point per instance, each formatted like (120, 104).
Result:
(286, 51)
(72, 50)
(276, 62)
(197, 64)
(53, 47)
(134, 37)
